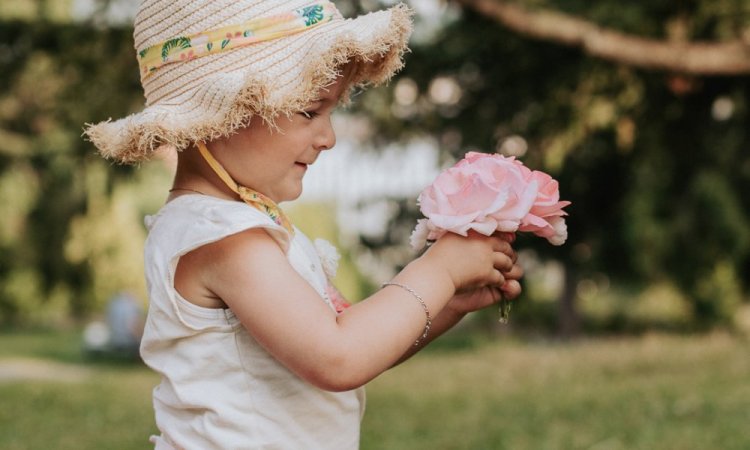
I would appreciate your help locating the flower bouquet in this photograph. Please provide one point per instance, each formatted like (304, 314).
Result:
(491, 193)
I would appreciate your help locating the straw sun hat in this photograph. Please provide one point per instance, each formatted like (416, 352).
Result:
(208, 66)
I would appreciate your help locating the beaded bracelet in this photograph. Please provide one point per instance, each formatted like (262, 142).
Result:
(428, 321)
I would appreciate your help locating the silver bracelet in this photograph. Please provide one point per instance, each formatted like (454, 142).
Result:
(428, 318)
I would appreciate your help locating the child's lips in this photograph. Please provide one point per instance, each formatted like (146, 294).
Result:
(306, 162)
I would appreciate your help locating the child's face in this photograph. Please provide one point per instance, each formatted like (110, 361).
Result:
(273, 162)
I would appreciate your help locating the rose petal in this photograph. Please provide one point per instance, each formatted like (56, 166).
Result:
(418, 237)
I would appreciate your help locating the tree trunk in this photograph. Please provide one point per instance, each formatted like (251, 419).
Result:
(569, 322)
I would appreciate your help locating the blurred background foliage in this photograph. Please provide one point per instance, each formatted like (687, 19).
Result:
(655, 162)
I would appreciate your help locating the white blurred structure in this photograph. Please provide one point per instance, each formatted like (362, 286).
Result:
(348, 175)
(121, 333)
(119, 11)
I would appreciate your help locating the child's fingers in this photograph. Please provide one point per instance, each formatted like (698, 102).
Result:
(515, 273)
(511, 289)
(513, 255)
(498, 279)
(502, 262)
(497, 294)
(506, 236)
(501, 245)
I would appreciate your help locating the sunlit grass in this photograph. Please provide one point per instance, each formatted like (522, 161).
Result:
(656, 391)
(60, 346)
(107, 408)
(639, 393)
(59, 398)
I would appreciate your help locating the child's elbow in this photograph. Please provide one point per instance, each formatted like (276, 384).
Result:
(337, 385)
(338, 375)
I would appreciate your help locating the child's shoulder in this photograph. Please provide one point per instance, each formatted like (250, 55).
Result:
(193, 219)
(188, 210)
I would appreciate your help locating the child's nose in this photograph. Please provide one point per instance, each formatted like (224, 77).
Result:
(326, 137)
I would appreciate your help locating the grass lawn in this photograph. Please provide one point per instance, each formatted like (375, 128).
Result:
(652, 392)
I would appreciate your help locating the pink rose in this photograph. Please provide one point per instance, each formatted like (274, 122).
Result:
(488, 193)
(545, 219)
(484, 193)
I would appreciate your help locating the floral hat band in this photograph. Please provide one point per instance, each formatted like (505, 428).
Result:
(186, 48)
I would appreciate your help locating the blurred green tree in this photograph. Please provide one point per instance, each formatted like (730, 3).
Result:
(64, 209)
(652, 151)
(639, 109)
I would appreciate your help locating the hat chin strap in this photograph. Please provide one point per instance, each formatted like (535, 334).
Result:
(249, 196)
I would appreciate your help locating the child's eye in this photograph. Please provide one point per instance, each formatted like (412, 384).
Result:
(309, 114)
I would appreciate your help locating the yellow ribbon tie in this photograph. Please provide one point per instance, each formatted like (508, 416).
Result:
(253, 198)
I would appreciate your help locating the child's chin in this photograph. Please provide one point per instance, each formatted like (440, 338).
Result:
(292, 194)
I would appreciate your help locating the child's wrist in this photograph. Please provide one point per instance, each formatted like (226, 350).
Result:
(454, 315)
(436, 272)
(431, 265)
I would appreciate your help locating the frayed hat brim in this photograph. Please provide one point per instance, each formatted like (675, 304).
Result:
(228, 90)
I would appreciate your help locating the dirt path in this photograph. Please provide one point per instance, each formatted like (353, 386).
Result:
(29, 369)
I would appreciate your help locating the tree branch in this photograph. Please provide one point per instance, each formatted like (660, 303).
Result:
(694, 58)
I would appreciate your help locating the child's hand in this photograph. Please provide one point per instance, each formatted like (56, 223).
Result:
(472, 300)
(465, 302)
(511, 289)
(472, 262)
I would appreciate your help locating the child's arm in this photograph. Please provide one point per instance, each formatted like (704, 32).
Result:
(251, 275)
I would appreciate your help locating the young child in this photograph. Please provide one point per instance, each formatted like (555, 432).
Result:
(242, 324)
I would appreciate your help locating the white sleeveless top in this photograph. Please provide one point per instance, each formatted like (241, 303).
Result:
(220, 389)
